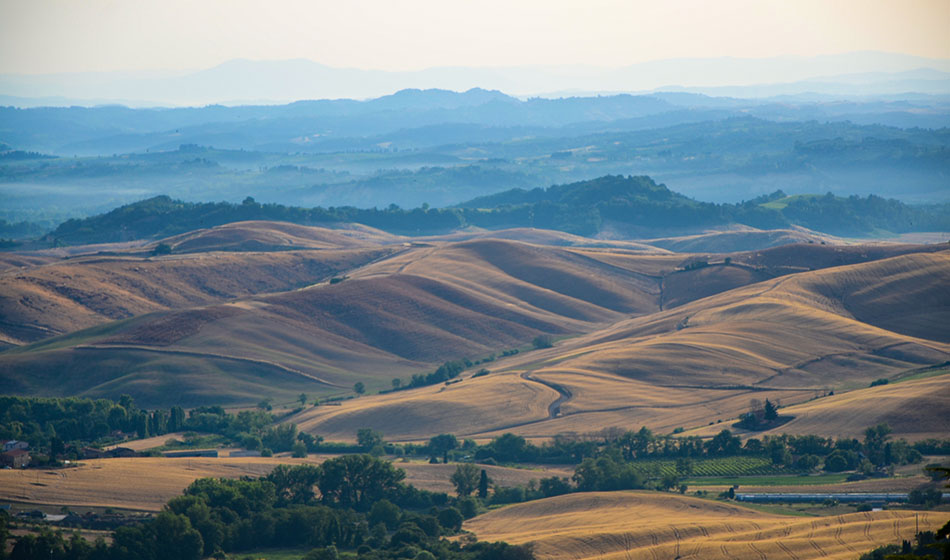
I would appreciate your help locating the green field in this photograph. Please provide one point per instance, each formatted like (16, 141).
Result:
(774, 480)
(720, 466)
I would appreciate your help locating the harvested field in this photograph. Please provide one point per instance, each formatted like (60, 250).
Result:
(147, 483)
(630, 525)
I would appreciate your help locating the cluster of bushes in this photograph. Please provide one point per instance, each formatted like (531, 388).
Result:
(354, 502)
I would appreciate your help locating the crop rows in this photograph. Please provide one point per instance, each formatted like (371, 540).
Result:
(720, 466)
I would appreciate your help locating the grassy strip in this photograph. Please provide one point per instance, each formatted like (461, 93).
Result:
(774, 480)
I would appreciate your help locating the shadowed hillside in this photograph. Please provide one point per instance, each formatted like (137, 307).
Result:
(65, 295)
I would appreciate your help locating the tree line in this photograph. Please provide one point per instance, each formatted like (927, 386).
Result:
(579, 208)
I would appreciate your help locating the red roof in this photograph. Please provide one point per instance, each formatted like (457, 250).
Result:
(16, 452)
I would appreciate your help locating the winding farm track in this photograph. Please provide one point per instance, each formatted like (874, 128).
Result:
(554, 409)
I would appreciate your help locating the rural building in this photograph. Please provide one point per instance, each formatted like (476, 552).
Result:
(192, 453)
(11, 444)
(93, 453)
(17, 458)
(245, 453)
(122, 452)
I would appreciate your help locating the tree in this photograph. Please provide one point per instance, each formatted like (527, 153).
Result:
(451, 519)
(368, 438)
(483, 485)
(442, 444)
(397, 383)
(358, 481)
(162, 249)
(359, 388)
(176, 538)
(509, 447)
(176, 420)
(294, 484)
(385, 512)
(302, 397)
(300, 449)
(542, 341)
(465, 479)
(554, 486)
(771, 413)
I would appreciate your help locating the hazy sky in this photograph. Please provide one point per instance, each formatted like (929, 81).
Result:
(44, 36)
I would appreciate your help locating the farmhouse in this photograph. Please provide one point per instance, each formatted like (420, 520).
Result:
(93, 453)
(16, 458)
(11, 444)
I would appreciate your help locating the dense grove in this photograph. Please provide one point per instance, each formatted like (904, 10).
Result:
(53, 424)
(354, 503)
(581, 208)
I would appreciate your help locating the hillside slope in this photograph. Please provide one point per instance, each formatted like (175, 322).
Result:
(788, 339)
(623, 525)
(711, 334)
(66, 295)
(394, 317)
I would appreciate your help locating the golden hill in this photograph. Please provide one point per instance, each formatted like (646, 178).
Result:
(275, 236)
(404, 309)
(628, 525)
(66, 295)
(395, 317)
(788, 339)
(148, 483)
(740, 239)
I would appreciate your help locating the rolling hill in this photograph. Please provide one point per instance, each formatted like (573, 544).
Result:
(247, 310)
(623, 525)
(63, 295)
(789, 339)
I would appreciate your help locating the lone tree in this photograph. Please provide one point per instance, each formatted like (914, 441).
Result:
(771, 412)
(542, 341)
(442, 444)
(359, 388)
(368, 438)
(483, 485)
(302, 397)
(465, 479)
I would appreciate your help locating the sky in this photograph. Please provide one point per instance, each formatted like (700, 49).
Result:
(54, 36)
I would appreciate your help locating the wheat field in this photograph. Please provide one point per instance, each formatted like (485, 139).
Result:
(649, 525)
(147, 483)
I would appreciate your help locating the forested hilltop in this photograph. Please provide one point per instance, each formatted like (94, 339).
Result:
(635, 206)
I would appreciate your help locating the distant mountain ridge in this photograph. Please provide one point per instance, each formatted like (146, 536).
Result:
(289, 80)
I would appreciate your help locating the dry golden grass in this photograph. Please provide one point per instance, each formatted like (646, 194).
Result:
(627, 525)
(467, 408)
(788, 339)
(147, 483)
(740, 239)
(916, 409)
(64, 296)
(144, 444)
(268, 236)
(546, 237)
